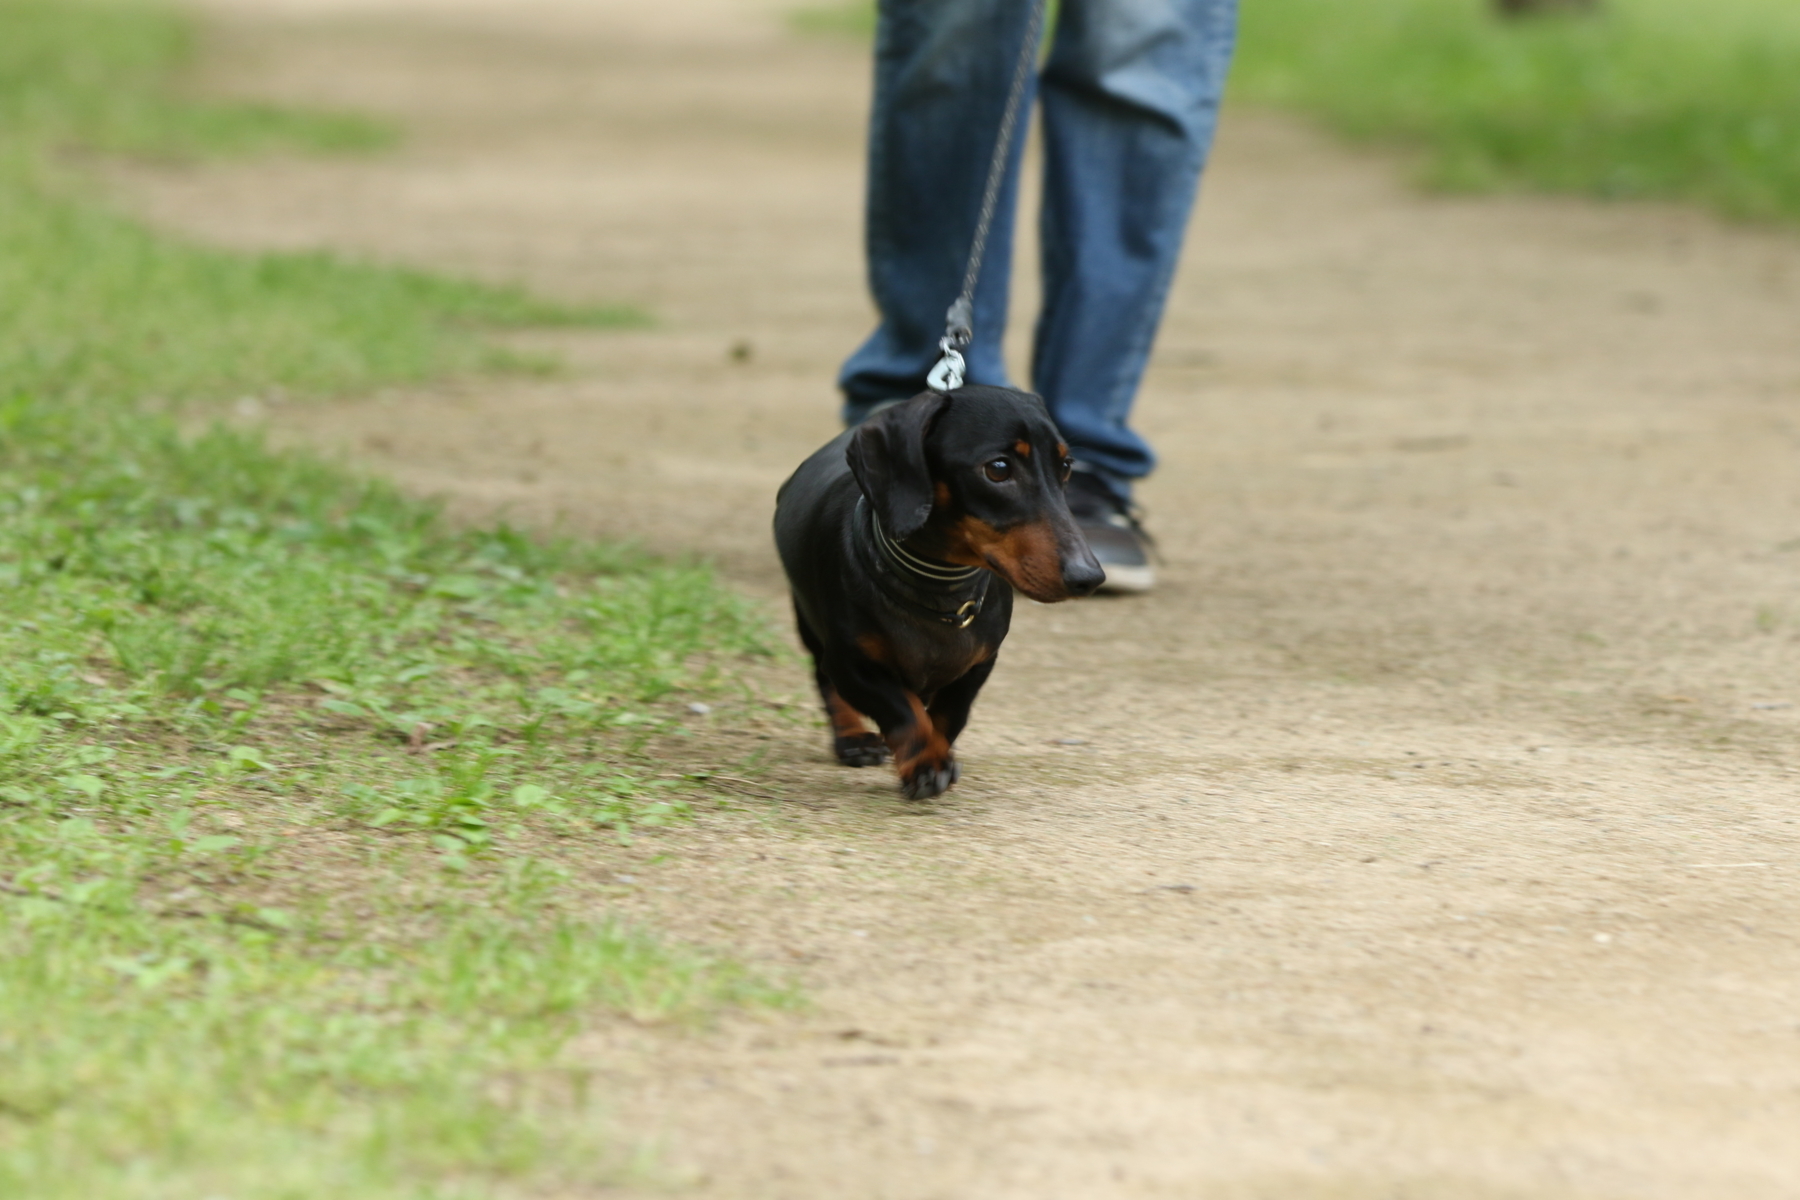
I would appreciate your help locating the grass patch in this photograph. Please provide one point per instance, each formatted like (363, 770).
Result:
(144, 316)
(301, 790)
(853, 19)
(300, 798)
(1649, 98)
(95, 305)
(147, 1061)
(106, 76)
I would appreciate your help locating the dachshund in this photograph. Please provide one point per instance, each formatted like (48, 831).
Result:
(903, 540)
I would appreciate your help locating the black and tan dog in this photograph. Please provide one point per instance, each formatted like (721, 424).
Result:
(892, 536)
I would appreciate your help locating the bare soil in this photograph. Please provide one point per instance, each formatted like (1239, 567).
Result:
(1429, 832)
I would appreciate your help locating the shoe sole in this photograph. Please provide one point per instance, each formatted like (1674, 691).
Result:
(1128, 581)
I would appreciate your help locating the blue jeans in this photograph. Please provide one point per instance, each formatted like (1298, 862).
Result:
(1130, 93)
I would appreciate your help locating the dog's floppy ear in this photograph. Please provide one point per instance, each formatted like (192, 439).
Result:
(887, 456)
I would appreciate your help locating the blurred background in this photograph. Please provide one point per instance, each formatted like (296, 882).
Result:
(1615, 98)
(1620, 99)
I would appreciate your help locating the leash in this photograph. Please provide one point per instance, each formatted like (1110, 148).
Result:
(959, 321)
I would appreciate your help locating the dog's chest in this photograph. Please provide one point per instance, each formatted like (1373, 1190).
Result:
(932, 659)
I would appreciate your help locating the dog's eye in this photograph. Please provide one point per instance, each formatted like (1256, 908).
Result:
(999, 469)
(1065, 468)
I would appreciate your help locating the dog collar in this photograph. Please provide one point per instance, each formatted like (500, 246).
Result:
(924, 581)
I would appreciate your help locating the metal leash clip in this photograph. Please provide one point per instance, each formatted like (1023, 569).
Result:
(947, 376)
(959, 331)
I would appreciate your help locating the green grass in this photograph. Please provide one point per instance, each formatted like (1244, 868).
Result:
(1673, 99)
(147, 317)
(1652, 98)
(91, 304)
(853, 19)
(299, 793)
(95, 305)
(302, 791)
(145, 1060)
(106, 76)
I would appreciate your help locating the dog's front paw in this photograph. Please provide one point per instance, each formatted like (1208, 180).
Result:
(923, 779)
(861, 750)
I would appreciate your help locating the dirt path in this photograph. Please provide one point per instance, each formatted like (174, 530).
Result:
(1431, 831)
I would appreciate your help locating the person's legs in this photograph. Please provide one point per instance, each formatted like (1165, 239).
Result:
(1131, 97)
(942, 71)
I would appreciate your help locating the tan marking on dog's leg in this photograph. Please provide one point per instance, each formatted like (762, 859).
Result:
(845, 720)
(921, 746)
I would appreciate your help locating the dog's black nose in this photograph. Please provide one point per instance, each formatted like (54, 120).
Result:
(1082, 573)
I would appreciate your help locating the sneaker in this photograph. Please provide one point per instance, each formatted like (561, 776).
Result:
(1113, 533)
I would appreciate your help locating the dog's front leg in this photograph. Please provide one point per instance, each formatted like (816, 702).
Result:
(921, 751)
(851, 740)
(949, 709)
